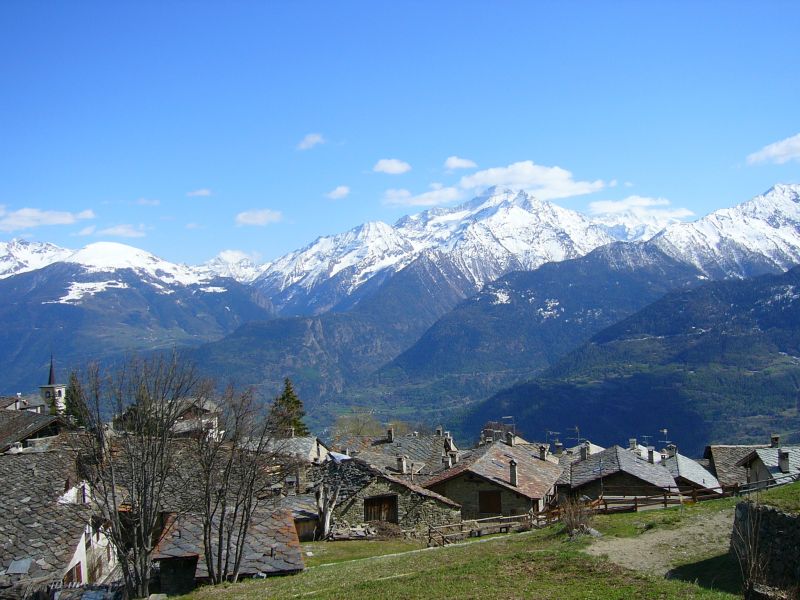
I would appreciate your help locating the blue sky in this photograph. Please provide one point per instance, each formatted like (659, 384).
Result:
(187, 128)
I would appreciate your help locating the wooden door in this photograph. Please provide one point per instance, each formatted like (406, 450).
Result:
(381, 508)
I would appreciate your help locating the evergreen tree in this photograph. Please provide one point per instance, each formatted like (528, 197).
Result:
(286, 413)
(73, 400)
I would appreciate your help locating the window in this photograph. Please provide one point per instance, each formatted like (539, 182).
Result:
(381, 508)
(489, 502)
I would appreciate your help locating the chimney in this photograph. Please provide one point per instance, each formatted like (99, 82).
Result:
(453, 458)
(510, 438)
(447, 434)
(512, 472)
(439, 431)
(775, 441)
(447, 461)
(783, 460)
(291, 432)
(390, 434)
(672, 450)
(632, 443)
(651, 455)
(584, 450)
(401, 464)
(559, 448)
(543, 452)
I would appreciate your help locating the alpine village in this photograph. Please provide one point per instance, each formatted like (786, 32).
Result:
(562, 364)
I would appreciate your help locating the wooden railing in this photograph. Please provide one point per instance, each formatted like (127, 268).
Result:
(614, 500)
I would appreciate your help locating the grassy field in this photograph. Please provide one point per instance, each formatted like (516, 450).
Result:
(541, 564)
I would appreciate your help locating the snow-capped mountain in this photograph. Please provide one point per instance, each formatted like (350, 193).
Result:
(500, 231)
(758, 236)
(19, 256)
(234, 264)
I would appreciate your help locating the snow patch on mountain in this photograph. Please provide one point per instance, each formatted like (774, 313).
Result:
(79, 290)
(234, 264)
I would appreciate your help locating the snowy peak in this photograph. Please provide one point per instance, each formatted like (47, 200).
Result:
(760, 235)
(20, 256)
(103, 257)
(234, 264)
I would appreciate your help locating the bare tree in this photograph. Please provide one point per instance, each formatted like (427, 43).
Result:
(235, 472)
(746, 544)
(326, 493)
(130, 469)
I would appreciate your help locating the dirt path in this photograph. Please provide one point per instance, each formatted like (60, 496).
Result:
(657, 551)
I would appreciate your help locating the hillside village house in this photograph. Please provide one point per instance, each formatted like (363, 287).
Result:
(47, 537)
(272, 548)
(771, 466)
(30, 402)
(302, 453)
(723, 461)
(368, 494)
(20, 429)
(499, 478)
(613, 470)
(421, 454)
(689, 475)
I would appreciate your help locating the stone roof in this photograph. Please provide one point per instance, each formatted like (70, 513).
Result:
(724, 460)
(302, 506)
(769, 457)
(38, 534)
(18, 425)
(304, 447)
(272, 546)
(616, 460)
(424, 450)
(681, 466)
(535, 477)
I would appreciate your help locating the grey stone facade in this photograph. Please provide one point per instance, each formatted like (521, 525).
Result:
(778, 536)
(414, 510)
(465, 489)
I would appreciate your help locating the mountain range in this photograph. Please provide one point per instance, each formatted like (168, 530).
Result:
(436, 312)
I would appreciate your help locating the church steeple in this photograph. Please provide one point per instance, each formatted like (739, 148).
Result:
(52, 379)
(54, 394)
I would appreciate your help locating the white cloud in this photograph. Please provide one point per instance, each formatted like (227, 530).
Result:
(340, 191)
(193, 226)
(147, 202)
(311, 140)
(438, 194)
(778, 152)
(640, 206)
(628, 184)
(455, 162)
(202, 192)
(391, 166)
(260, 217)
(89, 230)
(545, 183)
(28, 218)
(125, 230)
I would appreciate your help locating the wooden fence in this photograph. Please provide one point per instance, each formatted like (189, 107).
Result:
(614, 500)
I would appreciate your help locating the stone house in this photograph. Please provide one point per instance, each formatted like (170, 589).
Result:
(367, 494)
(271, 548)
(616, 471)
(47, 537)
(20, 429)
(414, 454)
(689, 475)
(31, 403)
(300, 454)
(499, 478)
(723, 462)
(772, 466)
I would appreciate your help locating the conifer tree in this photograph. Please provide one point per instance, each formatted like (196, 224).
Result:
(286, 413)
(72, 400)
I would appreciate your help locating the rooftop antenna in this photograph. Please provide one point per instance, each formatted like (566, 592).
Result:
(576, 430)
(512, 424)
(646, 439)
(665, 441)
(555, 435)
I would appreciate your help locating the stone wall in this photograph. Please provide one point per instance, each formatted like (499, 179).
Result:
(464, 490)
(414, 510)
(778, 541)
